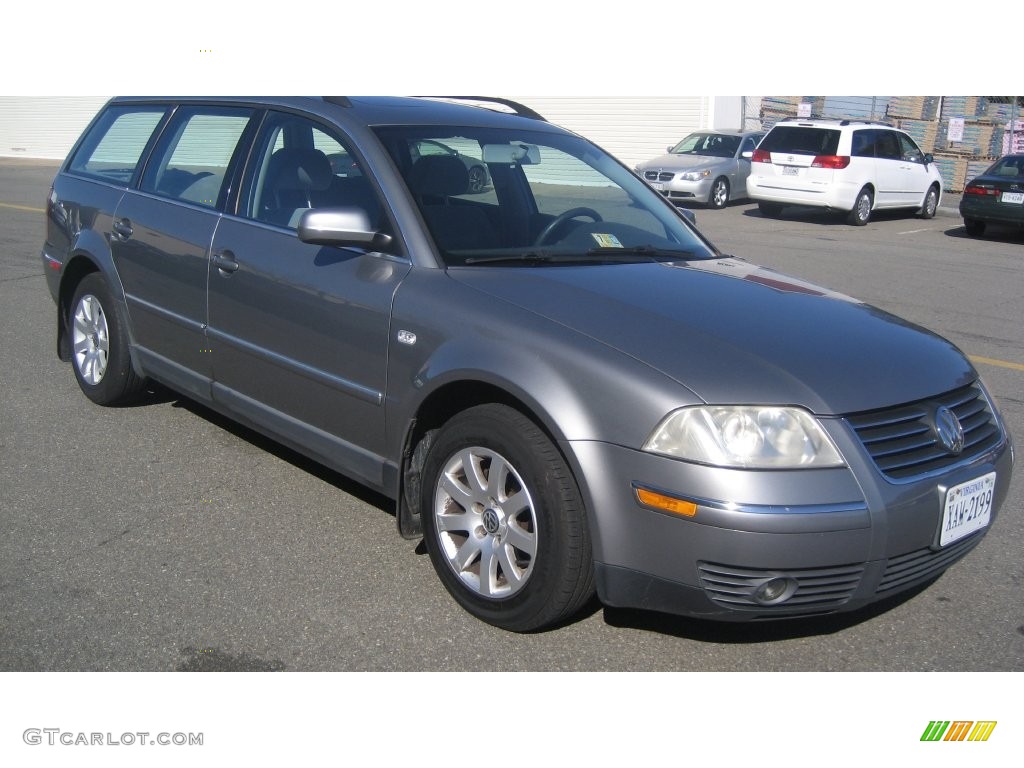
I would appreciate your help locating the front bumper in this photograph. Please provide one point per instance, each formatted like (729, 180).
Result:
(843, 538)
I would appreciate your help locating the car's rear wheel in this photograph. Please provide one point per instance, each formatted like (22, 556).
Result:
(99, 344)
(504, 521)
(719, 197)
(861, 213)
(974, 227)
(769, 209)
(931, 204)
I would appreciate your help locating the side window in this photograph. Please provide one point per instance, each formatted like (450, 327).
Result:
(888, 146)
(299, 165)
(863, 143)
(115, 143)
(909, 150)
(191, 161)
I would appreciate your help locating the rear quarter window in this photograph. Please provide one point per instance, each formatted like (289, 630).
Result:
(114, 144)
(801, 140)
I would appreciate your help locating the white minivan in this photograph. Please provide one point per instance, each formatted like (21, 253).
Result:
(852, 166)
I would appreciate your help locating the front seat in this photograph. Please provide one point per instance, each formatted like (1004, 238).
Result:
(434, 180)
(297, 180)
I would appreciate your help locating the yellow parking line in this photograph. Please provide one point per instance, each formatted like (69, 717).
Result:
(22, 208)
(999, 363)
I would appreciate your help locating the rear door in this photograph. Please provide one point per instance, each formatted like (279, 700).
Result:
(300, 332)
(161, 240)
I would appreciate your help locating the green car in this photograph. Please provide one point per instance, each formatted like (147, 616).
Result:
(996, 197)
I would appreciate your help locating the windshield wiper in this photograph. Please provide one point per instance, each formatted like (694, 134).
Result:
(647, 251)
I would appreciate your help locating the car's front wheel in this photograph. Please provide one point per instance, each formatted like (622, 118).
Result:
(719, 197)
(974, 227)
(931, 204)
(861, 213)
(99, 344)
(504, 521)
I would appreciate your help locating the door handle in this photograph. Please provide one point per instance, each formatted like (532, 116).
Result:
(225, 262)
(122, 229)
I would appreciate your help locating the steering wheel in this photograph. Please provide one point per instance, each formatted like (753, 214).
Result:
(559, 220)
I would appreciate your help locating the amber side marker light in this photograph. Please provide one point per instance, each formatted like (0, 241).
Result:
(665, 503)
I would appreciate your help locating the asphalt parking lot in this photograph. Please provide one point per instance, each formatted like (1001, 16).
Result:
(164, 537)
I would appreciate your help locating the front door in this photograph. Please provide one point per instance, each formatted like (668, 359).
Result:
(299, 332)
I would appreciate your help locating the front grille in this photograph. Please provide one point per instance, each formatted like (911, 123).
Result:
(658, 175)
(902, 440)
(923, 564)
(821, 588)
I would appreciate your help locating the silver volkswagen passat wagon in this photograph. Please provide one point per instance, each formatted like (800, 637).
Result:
(564, 387)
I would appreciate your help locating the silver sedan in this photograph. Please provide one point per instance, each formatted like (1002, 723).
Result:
(709, 167)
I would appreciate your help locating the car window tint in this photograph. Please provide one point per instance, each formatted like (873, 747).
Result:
(801, 140)
(909, 150)
(192, 159)
(888, 146)
(299, 165)
(112, 148)
(863, 143)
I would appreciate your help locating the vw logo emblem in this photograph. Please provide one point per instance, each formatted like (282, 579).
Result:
(949, 431)
(492, 523)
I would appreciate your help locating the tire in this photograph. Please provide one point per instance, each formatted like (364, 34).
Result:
(477, 179)
(974, 227)
(771, 210)
(99, 344)
(719, 197)
(516, 517)
(930, 205)
(861, 213)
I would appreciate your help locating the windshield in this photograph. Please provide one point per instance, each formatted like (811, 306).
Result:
(499, 196)
(708, 145)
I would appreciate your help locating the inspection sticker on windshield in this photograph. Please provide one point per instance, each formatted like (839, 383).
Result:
(606, 241)
(968, 508)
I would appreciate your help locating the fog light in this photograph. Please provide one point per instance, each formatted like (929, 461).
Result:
(775, 590)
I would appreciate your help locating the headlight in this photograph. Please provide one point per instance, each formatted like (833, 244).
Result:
(695, 175)
(749, 437)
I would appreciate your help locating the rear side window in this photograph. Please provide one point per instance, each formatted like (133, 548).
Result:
(191, 161)
(801, 140)
(114, 144)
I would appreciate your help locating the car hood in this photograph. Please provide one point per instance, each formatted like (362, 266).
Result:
(672, 162)
(732, 332)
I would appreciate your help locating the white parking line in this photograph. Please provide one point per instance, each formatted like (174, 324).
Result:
(915, 231)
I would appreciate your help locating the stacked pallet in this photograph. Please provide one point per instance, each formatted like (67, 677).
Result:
(954, 171)
(775, 108)
(923, 132)
(977, 141)
(963, 106)
(914, 107)
(1012, 144)
(977, 167)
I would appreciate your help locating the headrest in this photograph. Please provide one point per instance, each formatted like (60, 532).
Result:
(300, 169)
(442, 175)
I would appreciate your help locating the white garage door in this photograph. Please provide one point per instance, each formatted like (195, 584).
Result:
(44, 126)
(632, 129)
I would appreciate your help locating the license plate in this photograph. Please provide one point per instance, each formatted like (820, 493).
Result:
(658, 186)
(790, 170)
(1013, 197)
(968, 508)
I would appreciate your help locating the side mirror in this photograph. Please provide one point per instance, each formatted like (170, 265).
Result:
(343, 227)
(928, 159)
(670, 147)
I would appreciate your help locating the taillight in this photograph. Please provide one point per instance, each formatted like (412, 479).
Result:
(761, 156)
(835, 162)
(981, 191)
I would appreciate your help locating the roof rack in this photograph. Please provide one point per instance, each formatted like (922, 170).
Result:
(487, 101)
